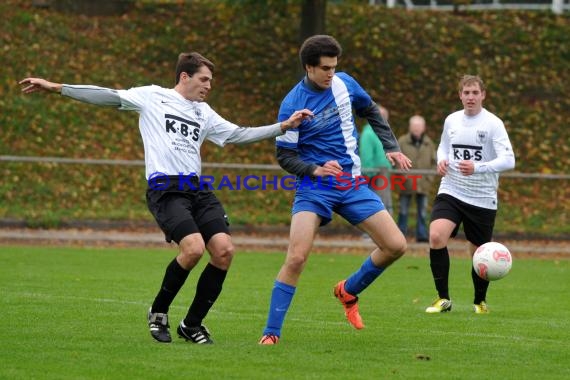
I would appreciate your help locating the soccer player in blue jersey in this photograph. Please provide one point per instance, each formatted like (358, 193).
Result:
(323, 154)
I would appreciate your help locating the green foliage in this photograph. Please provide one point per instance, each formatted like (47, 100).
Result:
(408, 61)
(80, 313)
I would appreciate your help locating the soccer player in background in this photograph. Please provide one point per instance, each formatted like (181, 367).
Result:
(473, 150)
(322, 153)
(173, 124)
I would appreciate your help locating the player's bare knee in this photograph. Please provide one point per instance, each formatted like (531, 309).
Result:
(222, 256)
(437, 239)
(296, 263)
(399, 250)
(395, 250)
(191, 251)
(189, 257)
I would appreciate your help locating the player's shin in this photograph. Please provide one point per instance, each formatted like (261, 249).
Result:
(281, 298)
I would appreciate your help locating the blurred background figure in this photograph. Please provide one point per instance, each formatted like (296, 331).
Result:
(421, 150)
(375, 163)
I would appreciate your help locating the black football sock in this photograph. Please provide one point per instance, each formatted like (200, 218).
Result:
(208, 289)
(439, 263)
(174, 278)
(480, 287)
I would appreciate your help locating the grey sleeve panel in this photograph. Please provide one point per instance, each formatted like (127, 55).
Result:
(289, 160)
(380, 127)
(244, 135)
(100, 96)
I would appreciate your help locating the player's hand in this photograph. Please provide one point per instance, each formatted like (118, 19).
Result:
(466, 167)
(39, 84)
(331, 168)
(296, 118)
(400, 160)
(442, 167)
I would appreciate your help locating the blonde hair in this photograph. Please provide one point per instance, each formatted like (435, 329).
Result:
(467, 80)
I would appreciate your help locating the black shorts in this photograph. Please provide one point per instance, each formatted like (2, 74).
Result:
(181, 211)
(478, 222)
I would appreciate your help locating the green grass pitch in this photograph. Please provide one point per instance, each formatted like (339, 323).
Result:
(80, 313)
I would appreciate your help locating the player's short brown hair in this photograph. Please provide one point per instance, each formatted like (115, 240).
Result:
(190, 63)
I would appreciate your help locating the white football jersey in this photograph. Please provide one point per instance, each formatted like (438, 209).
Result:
(173, 129)
(483, 139)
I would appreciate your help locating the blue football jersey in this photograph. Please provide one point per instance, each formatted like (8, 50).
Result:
(332, 133)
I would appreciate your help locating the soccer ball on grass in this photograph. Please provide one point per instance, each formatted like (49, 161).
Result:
(492, 261)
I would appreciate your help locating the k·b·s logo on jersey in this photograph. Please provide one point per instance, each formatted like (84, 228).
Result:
(177, 124)
(467, 152)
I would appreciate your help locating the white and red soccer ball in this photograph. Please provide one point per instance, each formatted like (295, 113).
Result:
(492, 261)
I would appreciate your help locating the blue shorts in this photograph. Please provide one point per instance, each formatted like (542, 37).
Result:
(354, 205)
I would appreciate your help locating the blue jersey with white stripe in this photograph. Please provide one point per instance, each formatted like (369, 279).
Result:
(332, 133)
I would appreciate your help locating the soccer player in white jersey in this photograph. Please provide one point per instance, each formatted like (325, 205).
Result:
(174, 123)
(323, 154)
(473, 150)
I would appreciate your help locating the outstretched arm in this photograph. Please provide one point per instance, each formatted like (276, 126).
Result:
(100, 96)
(39, 84)
(244, 135)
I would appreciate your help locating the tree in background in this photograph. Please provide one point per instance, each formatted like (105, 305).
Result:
(313, 18)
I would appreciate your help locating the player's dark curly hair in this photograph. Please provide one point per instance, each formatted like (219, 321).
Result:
(318, 46)
(190, 63)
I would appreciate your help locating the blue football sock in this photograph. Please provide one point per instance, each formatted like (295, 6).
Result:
(281, 298)
(363, 277)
